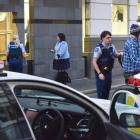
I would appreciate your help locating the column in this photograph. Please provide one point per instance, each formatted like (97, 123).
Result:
(132, 12)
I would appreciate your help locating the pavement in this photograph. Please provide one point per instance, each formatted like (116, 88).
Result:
(88, 86)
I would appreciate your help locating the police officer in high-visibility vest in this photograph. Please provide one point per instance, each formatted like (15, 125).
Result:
(15, 55)
(103, 61)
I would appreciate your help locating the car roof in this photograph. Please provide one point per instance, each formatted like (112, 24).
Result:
(19, 76)
(12, 76)
(105, 104)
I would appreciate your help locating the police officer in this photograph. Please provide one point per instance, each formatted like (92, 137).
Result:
(15, 55)
(103, 61)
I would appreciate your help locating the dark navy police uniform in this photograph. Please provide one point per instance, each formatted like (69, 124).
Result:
(105, 60)
(15, 57)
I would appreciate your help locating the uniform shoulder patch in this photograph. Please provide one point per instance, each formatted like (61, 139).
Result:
(96, 49)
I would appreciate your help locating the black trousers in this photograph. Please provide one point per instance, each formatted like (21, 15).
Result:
(63, 77)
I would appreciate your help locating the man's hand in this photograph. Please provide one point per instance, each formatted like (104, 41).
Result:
(52, 50)
(58, 56)
(101, 76)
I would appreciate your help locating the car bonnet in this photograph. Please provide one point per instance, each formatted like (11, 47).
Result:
(104, 104)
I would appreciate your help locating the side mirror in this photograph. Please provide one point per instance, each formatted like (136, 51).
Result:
(130, 120)
(125, 109)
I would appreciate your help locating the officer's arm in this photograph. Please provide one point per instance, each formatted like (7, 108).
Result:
(117, 54)
(7, 53)
(101, 76)
(95, 65)
(24, 54)
(96, 54)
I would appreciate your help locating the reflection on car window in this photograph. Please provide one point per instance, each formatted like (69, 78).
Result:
(130, 120)
(34, 93)
(121, 98)
(12, 123)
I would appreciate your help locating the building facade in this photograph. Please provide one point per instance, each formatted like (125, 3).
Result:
(37, 23)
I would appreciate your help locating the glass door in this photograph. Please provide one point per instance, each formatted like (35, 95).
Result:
(7, 29)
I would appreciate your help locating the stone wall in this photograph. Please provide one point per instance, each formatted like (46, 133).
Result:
(52, 17)
(49, 17)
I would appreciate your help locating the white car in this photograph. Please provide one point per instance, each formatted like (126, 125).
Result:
(32, 108)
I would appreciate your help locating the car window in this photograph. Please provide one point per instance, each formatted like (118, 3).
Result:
(12, 123)
(37, 97)
(54, 110)
(128, 112)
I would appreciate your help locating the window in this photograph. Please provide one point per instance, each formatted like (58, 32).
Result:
(43, 107)
(7, 29)
(26, 24)
(119, 20)
(139, 12)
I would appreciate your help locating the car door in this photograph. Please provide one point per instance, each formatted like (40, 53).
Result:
(76, 108)
(13, 125)
(125, 114)
(80, 117)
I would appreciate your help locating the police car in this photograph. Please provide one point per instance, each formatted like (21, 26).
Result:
(134, 80)
(32, 108)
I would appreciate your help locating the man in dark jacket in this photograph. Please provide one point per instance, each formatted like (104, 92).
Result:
(131, 55)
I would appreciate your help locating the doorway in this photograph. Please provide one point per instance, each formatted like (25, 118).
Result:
(7, 29)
